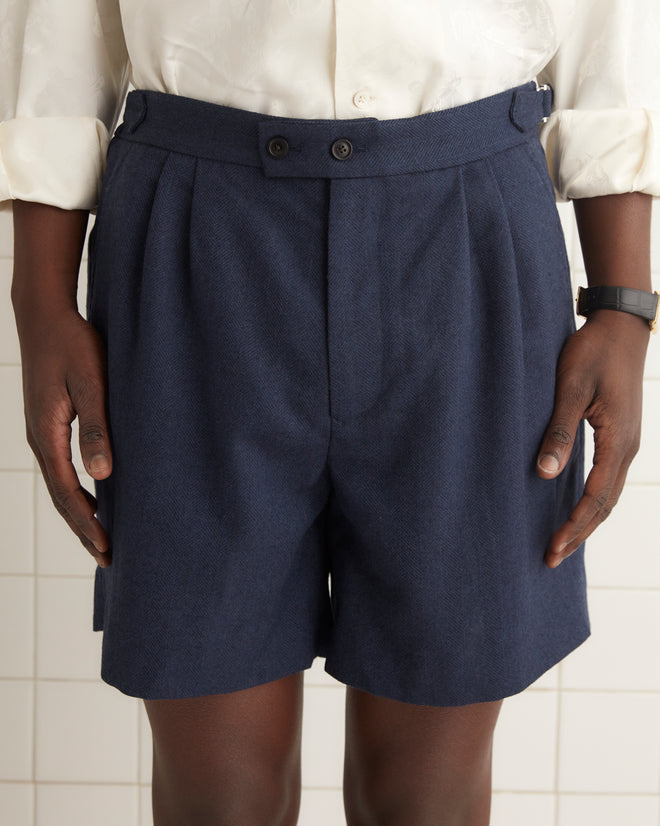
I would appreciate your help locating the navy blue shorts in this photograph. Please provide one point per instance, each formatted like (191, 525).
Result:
(331, 360)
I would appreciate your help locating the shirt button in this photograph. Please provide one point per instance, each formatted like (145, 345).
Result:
(361, 99)
(278, 147)
(342, 149)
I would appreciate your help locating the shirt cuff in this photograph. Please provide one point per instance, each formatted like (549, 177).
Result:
(58, 161)
(594, 152)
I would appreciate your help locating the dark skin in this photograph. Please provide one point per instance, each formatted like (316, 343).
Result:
(235, 757)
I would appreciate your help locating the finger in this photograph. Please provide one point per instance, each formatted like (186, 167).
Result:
(76, 505)
(601, 493)
(88, 399)
(570, 403)
(72, 501)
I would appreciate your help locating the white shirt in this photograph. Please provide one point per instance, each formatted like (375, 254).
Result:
(66, 65)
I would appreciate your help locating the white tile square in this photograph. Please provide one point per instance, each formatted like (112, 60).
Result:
(82, 286)
(15, 453)
(623, 651)
(58, 549)
(520, 809)
(652, 368)
(17, 804)
(609, 742)
(323, 737)
(525, 743)
(317, 675)
(16, 725)
(322, 807)
(652, 364)
(577, 259)
(17, 626)
(655, 236)
(67, 647)
(567, 218)
(145, 746)
(17, 520)
(10, 352)
(67, 804)
(646, 464)
(76, 457)
(6, 233)
(86, 732)
(623, 551)
(146, 810)
(608, 810)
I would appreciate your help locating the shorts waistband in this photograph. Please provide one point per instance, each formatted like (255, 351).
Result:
(336, 148)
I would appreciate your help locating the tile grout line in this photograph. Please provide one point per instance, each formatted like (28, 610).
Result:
(499, 791)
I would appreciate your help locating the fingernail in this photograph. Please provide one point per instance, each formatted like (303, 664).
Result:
(98, 463)
(549, 463)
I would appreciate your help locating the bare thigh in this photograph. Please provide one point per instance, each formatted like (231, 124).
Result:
(425, 765)
(228, 758)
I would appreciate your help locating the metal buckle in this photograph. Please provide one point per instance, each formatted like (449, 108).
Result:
(543, 88)
(654, 323)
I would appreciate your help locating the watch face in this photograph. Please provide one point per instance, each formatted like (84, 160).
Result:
(582, 308)
(653, 324)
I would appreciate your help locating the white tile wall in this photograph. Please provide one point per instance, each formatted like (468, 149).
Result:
(17, 727)
(62, 804)
(609, 742)
(607, 660)
(608, 810)
(16, 518)
(9, 349)
(17, 803)
(524, 754)
(323, 725)
(85, 733)
(580, 746)
(17, 626)
(520, 809)
(67, 648)
(16, 455)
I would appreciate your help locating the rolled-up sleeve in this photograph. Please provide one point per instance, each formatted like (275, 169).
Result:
(603, 135)
(65, 71)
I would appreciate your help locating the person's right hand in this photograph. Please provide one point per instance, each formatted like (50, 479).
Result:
(64, 375)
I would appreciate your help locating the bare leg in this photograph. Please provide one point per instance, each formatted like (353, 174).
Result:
(425, 765)
(228, 758)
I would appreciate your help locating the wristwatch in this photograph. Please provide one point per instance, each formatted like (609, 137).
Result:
(626, 299)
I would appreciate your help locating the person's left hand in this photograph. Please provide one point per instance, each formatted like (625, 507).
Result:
(599, 378)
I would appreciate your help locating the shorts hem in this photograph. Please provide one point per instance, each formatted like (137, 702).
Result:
(447, 699)
(204, 689)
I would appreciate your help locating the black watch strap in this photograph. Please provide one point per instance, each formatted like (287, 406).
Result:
(626, 299)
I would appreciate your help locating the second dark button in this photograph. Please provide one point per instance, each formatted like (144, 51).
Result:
(342, 149)
(278, 147)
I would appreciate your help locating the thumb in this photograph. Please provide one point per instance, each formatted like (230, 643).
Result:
(88, 398)
(559, 437)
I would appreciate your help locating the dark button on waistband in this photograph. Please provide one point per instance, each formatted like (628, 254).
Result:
(342, 149)
(278, 147)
